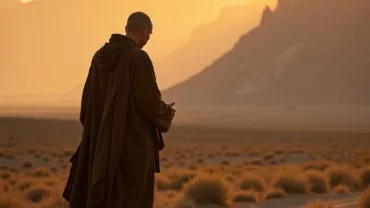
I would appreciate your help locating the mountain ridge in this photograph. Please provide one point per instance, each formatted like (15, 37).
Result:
(300, 54)
(210, 41)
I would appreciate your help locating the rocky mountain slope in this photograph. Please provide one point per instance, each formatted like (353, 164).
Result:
(208, 42)
(303, 53)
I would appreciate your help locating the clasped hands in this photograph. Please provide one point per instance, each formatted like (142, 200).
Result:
(172, 108)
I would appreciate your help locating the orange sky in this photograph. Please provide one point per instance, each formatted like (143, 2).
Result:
(173, 20)
(173, 23)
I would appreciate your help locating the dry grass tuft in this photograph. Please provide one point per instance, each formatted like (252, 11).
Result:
(320, 165)
(27, 164)
(208, 190)
(255, 152)
(200, 161)
(282, 160)
(171, 194)
(229, 178)
(4, 167)
(274, 194)
(247, 196)
(52, 182)
(55, 201)
(178, 180)
(364, 199)
(14, 170)
(26, 184)
(225, 162)
(163, 183)
(269, 157)
(318, 181)
(68, 153)
(4, 187)
(210, 156)
(174, 182)
(341, 189)
(279, 152)
(30, 151)
(5, 175)
(256, 162)
(41, 173)
(38, 193)
(367, 160)
(12, 182)
(193, 167)
(292, 183)
(185, 203)
(232, 154)
(342, 175)
(253, 183)
(365, 177)
(318, 204)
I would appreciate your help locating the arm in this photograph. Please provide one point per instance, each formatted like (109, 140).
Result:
(147, 96)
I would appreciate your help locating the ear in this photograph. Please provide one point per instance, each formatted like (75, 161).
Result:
(142, 31)
(146, 30)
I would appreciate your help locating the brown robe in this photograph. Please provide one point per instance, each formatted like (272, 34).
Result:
(123, 117)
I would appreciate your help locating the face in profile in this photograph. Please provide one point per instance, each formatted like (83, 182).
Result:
(144, 37)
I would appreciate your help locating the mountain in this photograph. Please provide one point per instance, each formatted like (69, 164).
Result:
(306, 52)
(208, 42)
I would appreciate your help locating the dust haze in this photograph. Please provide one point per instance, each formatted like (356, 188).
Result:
(272, 100)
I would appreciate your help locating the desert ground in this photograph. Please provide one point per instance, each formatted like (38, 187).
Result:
(202, 166)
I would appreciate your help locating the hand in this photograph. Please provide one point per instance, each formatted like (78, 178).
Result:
(173, 110)
(172, 104)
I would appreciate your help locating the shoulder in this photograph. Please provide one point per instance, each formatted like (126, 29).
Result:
(140, 55)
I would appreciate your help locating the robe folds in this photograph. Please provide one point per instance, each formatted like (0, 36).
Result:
(123, 118)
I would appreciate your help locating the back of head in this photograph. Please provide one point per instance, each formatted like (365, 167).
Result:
(139, 28)
(138, 21)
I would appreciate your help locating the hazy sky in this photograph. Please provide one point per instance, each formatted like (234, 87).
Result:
(173, 20)
(173, 23)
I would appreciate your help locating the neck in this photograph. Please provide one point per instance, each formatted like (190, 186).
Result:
(132, 37)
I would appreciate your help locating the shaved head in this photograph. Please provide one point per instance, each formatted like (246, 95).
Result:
(138, 21)
(139, 28)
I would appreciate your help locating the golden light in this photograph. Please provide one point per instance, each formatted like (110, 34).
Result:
(25, 1)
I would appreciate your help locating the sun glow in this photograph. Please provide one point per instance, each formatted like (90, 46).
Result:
(25, 1)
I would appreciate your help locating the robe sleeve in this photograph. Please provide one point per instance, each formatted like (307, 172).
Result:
(147, 96)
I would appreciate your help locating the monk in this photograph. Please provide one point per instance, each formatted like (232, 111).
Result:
(123, 118)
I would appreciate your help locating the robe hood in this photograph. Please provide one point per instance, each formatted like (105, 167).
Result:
(106, 58)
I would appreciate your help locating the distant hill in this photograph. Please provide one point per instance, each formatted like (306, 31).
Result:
(302, 53)
(208, 42)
